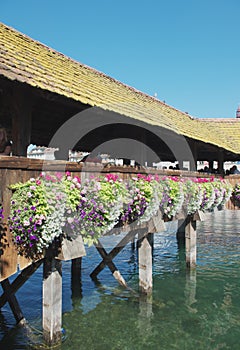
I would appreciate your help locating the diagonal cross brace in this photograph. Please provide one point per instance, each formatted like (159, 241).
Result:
(108, 257)
(18, 282)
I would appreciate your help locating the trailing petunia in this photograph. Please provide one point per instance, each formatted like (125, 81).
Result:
(1, 212)
(173, 196)
(100, 206)
(209, 196)
(38, 213)
(57, 205)
(236, 194)
(193, 196)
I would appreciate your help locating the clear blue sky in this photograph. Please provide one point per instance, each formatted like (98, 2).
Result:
(186, 51)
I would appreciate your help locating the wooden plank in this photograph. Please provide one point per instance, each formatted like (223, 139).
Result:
(13, 162)
(191, 242)
(8, 261)
(52, 300)
(145, 247)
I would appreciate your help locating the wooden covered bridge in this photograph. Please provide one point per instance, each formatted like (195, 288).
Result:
(49, 99)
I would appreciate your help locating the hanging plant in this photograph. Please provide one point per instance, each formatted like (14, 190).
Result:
(193, 196)
(54, 206)
(142, 200)
(236, 194)
(227, 189)
(100, 206)
(209, 195)
(173, 196)
(39, 209)
(223, 191)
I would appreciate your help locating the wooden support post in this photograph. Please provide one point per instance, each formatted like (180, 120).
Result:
(220, 162)
(76, 277)
(193, 161)
(181, 231)
(52, 300)
(145, 263)
(191, 242)
(22, 101)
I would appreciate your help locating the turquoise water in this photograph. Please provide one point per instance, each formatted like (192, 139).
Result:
(197, 309)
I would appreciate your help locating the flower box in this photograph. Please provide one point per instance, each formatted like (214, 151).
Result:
(71, 249)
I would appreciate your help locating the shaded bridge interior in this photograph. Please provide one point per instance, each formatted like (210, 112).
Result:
(49, 111)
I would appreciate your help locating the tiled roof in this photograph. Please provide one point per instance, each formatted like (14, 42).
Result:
(228, 130)
(28, 61)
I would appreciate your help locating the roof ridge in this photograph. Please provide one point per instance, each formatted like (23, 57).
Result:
(219, 119)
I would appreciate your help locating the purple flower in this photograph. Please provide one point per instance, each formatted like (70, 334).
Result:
(33, 238)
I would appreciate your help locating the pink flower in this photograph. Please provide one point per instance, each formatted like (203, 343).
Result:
(112, 177)
(59, 176)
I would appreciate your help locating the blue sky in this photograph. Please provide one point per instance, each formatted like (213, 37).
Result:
(185, 51)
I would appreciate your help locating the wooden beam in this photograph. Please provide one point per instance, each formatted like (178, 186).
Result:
(145, 263)
(52, 300)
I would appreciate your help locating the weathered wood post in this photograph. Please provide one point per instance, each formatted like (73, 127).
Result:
(145, 243)
(52, 299)
(76, 272)
(191, 242)
(181, 232)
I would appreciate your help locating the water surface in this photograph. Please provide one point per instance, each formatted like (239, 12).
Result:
(198, 309)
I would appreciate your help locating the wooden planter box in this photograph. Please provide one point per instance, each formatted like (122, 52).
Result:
(72, 249)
